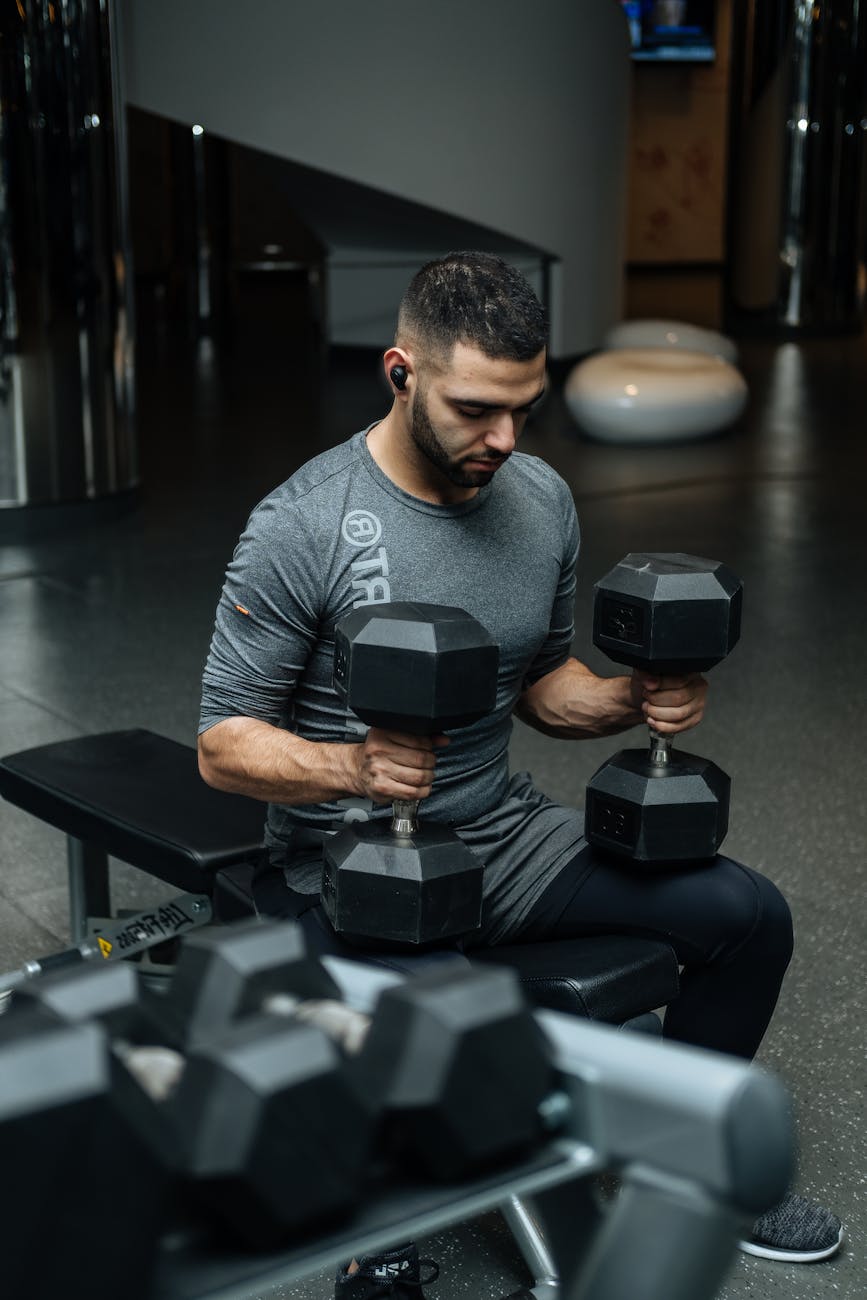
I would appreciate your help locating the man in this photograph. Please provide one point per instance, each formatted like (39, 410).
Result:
(434, 503)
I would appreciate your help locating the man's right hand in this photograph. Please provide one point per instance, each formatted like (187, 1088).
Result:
(394, 765)
(247, 756)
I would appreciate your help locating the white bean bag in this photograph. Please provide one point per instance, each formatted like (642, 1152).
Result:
(671, 334)
(636, 395)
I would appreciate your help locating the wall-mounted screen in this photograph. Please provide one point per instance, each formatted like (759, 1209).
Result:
(676, 31)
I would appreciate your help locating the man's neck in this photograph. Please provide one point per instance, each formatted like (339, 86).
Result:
(400, 460)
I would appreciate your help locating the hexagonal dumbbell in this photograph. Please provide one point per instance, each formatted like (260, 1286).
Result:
(664, 614)
(295, 1150)
(452, 1069)
(265, 1125)
(264, 1094)
(421, 669)
(72, 1145)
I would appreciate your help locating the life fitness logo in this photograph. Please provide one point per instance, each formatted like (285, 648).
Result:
(361, 528)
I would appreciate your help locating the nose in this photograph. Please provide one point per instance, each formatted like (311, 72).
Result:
(502, 432)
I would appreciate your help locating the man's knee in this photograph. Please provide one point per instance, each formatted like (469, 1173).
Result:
(777, 918)
(760, 913)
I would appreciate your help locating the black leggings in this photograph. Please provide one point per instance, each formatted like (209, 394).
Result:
(730, 929)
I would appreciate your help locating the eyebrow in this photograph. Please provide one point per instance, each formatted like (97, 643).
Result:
(478, 405)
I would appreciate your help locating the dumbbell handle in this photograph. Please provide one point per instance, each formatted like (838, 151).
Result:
(159, 1069)
(40, 965)
(346, 1027)
(660, 749)
(404, 816)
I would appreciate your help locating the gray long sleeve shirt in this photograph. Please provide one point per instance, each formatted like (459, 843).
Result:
(339, 534)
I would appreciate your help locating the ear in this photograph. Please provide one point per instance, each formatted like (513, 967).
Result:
(398, 359)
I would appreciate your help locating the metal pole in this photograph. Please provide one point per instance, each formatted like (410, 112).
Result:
(797, 219)
(66, 369)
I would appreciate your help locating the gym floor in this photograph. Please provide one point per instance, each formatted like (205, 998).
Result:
(107, 626)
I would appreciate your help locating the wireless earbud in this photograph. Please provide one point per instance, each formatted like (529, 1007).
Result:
(397, 375)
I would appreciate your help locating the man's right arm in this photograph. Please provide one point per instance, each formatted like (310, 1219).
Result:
(267, 623)
(247, 756)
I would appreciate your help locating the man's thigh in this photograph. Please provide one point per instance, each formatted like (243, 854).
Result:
(700, 910)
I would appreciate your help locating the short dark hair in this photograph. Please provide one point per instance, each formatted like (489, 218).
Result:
(473, 298)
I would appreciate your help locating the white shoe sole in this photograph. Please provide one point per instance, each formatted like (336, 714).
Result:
(791, 1256)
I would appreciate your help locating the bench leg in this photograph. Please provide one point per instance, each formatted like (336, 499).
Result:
(533, 1247)
(88, 885)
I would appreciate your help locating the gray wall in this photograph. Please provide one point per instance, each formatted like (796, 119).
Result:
(510, 115)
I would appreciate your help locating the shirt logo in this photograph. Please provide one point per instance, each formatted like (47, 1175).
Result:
(361, 528)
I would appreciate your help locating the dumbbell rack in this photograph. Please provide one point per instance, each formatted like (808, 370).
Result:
(702, 1143)
(191, 1265)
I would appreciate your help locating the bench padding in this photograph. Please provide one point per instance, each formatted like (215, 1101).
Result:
(609, 977)
(91, 788)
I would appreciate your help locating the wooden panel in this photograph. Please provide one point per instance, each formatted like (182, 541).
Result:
(677, 169)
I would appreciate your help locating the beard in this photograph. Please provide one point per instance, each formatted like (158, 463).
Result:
(426, 438)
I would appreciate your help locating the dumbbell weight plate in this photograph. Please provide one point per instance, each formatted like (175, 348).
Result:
(267, 1124)
(418, 889)
(667, 613)
(417, 668)
(86, 1193)
(654, 816)
(460, 1067)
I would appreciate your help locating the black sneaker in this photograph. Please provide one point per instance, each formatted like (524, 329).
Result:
(395, 1275)
(796, 1230)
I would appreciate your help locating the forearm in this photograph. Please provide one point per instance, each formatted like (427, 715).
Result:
(246, 756)
(572, 703)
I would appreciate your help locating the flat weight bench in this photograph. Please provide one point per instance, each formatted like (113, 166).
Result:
(138, 797)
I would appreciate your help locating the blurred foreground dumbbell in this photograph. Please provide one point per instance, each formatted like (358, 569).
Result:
(667, 614)
(270, 1100)
(418, 669)
(85, 1189)
(452, 1066)
(263, 1126)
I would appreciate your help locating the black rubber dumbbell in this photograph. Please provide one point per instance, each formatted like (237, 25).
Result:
(257, 1120)
(72, 1148)
(668, 614)
(420, 669)
(451, 1074)
(452, 1066)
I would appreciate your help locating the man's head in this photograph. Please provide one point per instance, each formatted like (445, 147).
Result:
(467, 364)
(471, 298)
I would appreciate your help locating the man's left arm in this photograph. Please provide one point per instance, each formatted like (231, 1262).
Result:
(572, 703)
(562, 697)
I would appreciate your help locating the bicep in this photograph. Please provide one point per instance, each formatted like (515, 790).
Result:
(265, 627)
(554, 651)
